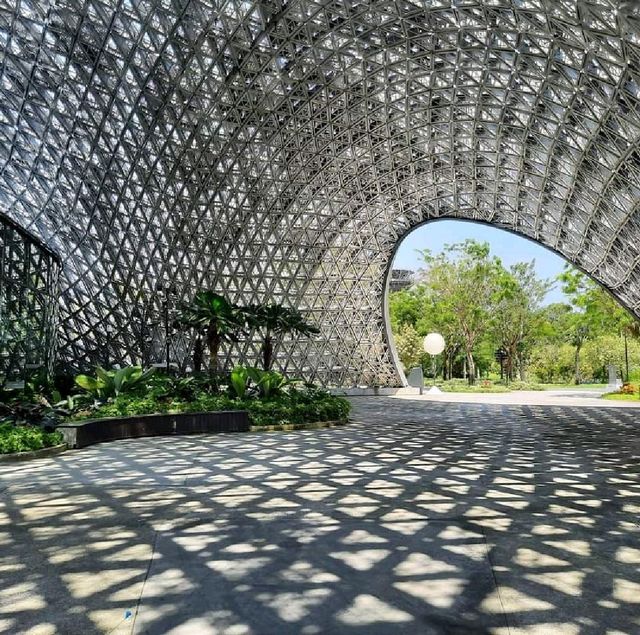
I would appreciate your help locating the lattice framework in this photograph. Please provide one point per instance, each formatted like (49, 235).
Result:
(279, 150)
(28, 301)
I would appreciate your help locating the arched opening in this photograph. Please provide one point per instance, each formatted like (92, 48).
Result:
(533, 319)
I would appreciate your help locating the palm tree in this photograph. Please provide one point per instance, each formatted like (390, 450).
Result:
(213, 314)
(274, 320)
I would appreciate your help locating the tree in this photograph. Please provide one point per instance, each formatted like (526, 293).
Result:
(517, 312)
(274, 321)
(626, 325)
(630, 327)
(405, 307)
(220, 320)
(595, 312)
(409, 346)
(462, 282)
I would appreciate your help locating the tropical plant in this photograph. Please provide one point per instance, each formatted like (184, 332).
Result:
(274, 321)
(239, 381)
(268, 382)
(32, 405)
(220, 320)
(111, 383)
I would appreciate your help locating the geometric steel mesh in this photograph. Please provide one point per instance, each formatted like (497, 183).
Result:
(28, 302)
(279, 150)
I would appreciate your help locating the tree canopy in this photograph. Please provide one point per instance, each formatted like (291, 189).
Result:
(481, 307)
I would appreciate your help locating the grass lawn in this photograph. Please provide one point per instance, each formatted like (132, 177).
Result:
(614, 396)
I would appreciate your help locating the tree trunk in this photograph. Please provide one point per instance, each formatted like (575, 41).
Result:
(198, 354)
(267, 352)
(471, 368)
(213, 342)
(578, 378)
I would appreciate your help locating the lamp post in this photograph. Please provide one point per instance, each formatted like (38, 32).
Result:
(433, 344)
(501, 355)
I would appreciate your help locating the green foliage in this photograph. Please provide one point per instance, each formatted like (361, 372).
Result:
(600, 352)
(293, 406)
(32, 407)
(239, 381)
(406, 308)
(297, 407)
(616, 396)
(278, 319)
(25, 438)
(552, 363)
(274, 321)
(461, 385)
(481, 306)
(111, 383)
(461, 282)
(215, 318)
(268, 382)
(525, 385)
(409, 346)
(516, 314)
(220, 320)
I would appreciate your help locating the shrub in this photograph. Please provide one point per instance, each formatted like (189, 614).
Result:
(25, 438)
(309, 404)
(292, 409)
(525, 385)
(111, 383)
(553, 363)
(461, 385)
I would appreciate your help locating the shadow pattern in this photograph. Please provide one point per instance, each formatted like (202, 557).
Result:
(416, 518)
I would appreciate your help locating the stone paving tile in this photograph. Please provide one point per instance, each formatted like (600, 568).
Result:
(416, 518)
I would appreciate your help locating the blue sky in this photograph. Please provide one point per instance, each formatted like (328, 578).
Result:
(508, 247)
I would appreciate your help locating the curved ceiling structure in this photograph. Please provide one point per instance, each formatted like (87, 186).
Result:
(278, 150)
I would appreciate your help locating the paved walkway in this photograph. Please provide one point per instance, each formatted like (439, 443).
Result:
(577, 397)
(426, 518)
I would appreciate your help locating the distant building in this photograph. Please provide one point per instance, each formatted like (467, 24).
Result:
(400, 279)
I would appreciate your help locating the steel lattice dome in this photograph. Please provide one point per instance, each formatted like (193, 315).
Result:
(278, 151)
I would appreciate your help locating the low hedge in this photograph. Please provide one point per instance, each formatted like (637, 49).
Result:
(25, 438)
(484, 385)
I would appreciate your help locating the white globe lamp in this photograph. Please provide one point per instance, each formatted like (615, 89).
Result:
(434, 345)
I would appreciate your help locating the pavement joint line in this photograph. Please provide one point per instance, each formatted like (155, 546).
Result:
(487, 549)
(154, 544)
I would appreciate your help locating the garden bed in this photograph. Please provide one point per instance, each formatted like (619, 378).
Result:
(79, 434)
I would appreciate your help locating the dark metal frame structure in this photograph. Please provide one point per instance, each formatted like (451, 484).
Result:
(278, 150)
(29, 274)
